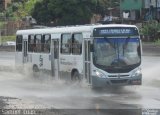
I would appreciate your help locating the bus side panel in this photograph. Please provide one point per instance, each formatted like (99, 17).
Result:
(46, 61)
(70, 62)
(37, 59)
(42, 61)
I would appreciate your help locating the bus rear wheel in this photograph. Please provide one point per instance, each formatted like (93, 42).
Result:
(75, 76)
(35, 68)
(36, 73)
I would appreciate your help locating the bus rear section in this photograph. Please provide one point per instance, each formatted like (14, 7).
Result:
(116, 56)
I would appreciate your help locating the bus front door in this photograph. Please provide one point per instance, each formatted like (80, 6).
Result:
(55, 58)
(87, 60)
(25, 51)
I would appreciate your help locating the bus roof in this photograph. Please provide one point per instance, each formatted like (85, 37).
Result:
(116, 25)
(68, 29)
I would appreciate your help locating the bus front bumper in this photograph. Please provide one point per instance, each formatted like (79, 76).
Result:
(103, 82)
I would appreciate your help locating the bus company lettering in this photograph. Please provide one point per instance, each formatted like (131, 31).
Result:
(66, 63)
(41, 61)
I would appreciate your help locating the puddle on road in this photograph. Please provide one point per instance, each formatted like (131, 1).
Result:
(44, 89)
(19, 84)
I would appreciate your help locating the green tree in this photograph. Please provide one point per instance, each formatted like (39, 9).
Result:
(64, 12)
(25, 8)
(42, 13)
(19, 9)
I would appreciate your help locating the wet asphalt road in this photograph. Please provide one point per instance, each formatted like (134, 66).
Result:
(19, 90)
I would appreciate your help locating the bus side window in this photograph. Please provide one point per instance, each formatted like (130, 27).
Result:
(38, 39)
(77, 43)
(46, 43)
(66, 43)
(19, 43)
(31, 43)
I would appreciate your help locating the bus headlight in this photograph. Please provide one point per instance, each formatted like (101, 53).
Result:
(137, 73)
(100, 74)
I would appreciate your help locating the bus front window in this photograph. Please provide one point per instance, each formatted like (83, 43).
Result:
(116, 54)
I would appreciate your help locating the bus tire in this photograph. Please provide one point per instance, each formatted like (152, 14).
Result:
(35, 68)
(75, 76)
(36, 73)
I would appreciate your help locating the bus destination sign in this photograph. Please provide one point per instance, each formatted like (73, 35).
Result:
(115, 31)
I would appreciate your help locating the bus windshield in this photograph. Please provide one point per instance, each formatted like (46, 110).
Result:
(116, 54)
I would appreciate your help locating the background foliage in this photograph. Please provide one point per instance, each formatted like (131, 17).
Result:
(66, 12)
(151, 29)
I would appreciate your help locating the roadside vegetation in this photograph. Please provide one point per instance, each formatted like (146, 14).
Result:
(59, 12)
(151, 31)
(2, 24)
(157, 42)
(19, 9)
(8, 38)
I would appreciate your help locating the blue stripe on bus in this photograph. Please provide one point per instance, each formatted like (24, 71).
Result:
(100, 40)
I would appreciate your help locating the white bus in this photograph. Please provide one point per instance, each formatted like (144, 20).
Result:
(100, 54)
